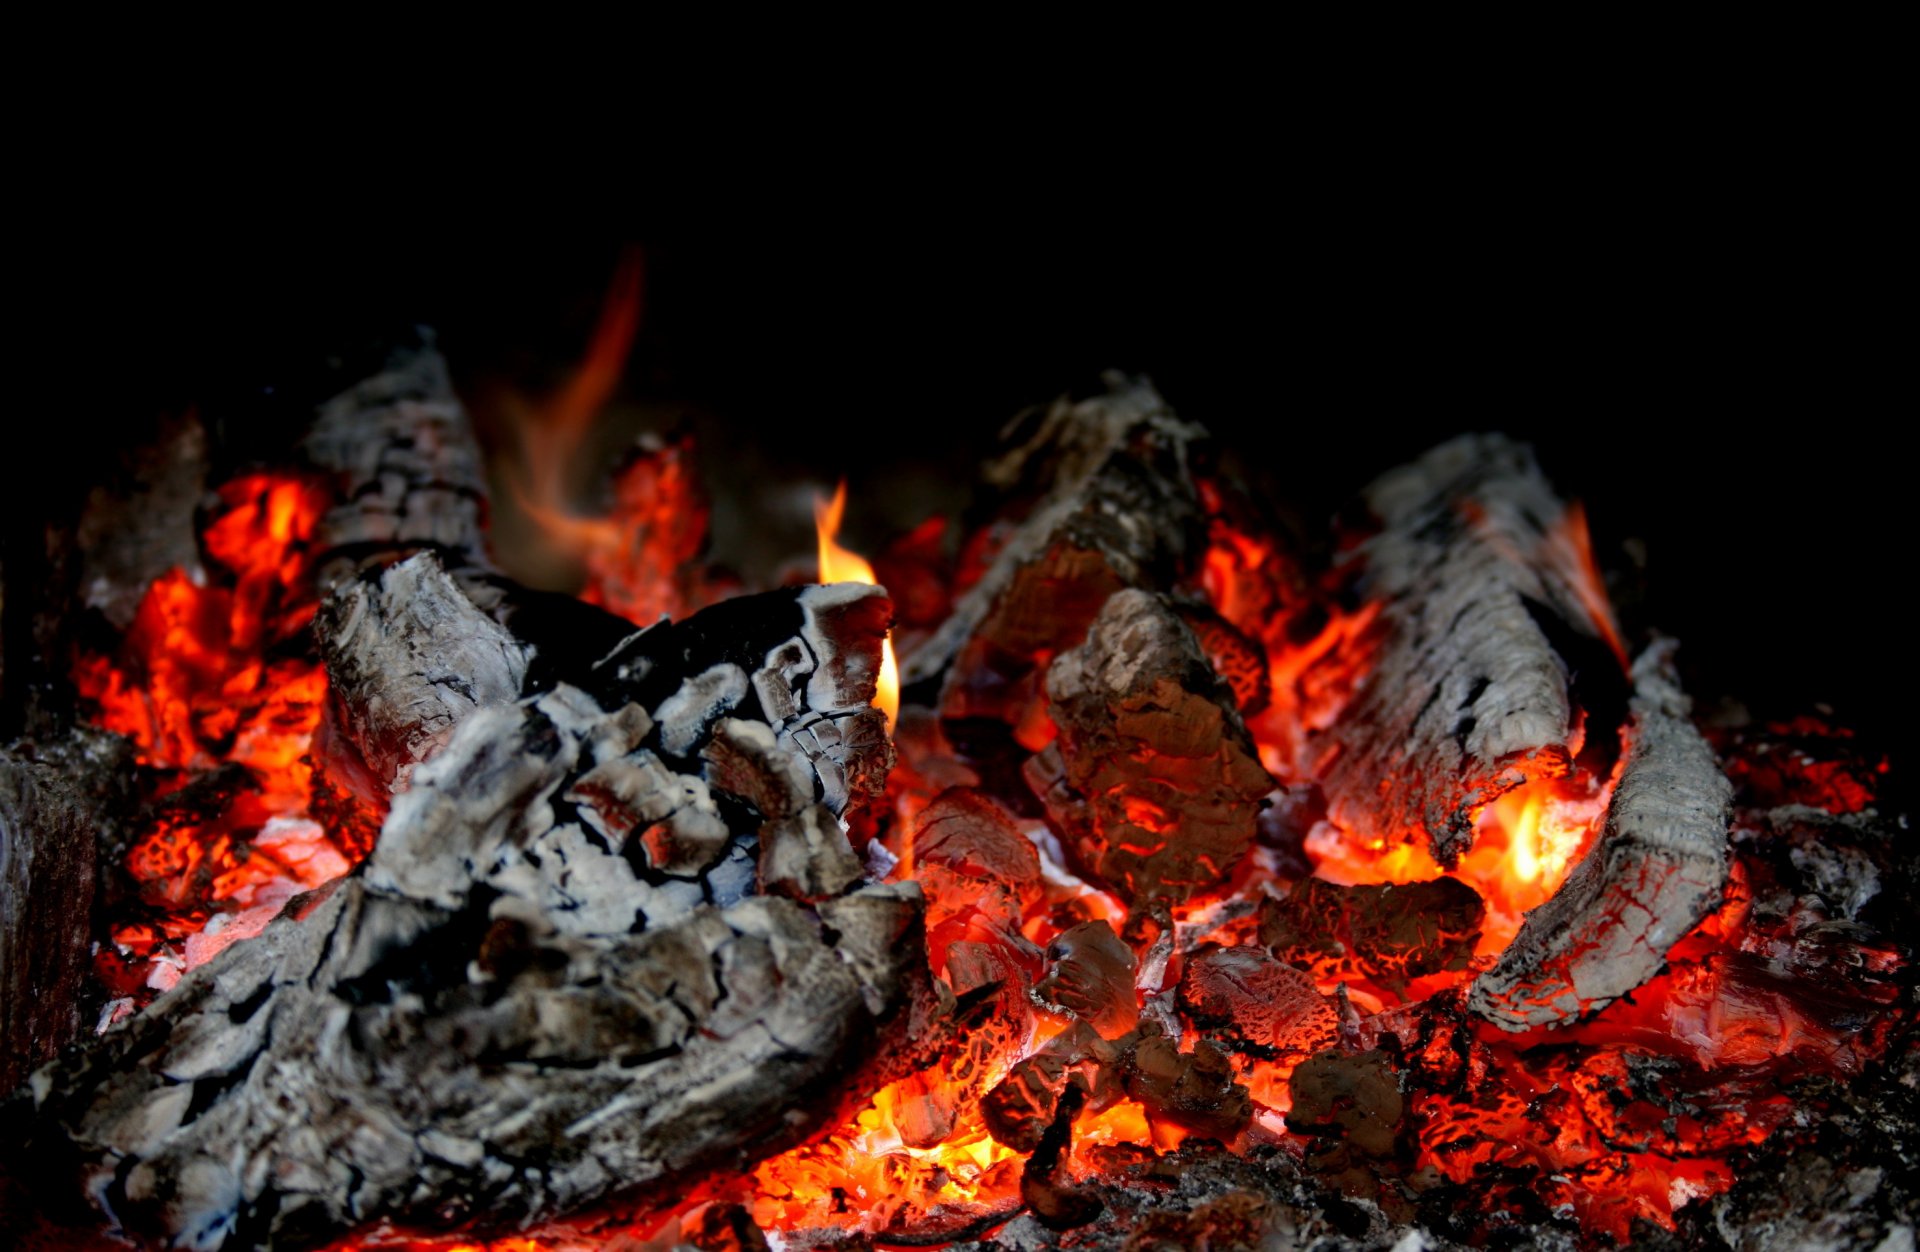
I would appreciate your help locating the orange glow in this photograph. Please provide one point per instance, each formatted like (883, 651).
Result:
(207, 678)
(838, 565)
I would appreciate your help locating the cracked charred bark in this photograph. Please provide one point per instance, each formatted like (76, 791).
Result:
(1489, 615)
(1114, 506)
(552, 982)
(1657, 870)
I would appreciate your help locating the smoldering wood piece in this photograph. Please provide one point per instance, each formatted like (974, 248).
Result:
(1117, 507)
(407, 471)
(1389, 933)
(1154, 781)
(805, 660)
(1255, 1003)
(1090, 977)
(1487, 605)
(1659, 867)
(56, 806)
(507, 1014)
(408, 657)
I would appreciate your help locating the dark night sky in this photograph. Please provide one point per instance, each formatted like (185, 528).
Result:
(1711, 388)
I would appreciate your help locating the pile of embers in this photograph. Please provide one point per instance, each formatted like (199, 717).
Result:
(1193, 898)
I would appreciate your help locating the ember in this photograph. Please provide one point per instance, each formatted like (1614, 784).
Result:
(1402, 888)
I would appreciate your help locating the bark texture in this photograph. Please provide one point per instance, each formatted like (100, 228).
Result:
(407, 471)
(1658, 869)
(55, 808)
(1489, 609)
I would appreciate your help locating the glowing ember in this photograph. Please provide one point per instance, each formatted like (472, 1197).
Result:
(216, 687)
(838, 565)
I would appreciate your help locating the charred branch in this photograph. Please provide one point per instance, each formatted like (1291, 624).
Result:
(1488, 613)
(1657, 870)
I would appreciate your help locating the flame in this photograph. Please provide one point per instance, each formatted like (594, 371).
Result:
(838, 565)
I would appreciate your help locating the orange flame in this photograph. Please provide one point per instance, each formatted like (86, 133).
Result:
(838, 565)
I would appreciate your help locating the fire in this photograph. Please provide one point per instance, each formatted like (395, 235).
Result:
(838, 565)
(213, 675)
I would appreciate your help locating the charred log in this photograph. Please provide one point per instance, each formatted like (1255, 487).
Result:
(550, 983)
(1154, 781)
(1658, 868)
(406, 469)
(1488, 613)
(1116, 507)
(408, 658)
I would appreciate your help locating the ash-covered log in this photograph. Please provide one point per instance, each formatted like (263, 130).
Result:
(1490, 615)
(407, 471)
(1657, 870)
(408, 658)
(1111, 503)
(1154, 781)
(555, 979)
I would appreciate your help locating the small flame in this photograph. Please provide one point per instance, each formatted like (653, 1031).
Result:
(838, 565)
(1524, 840)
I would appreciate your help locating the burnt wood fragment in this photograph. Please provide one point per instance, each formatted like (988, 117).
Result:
(1110, 503)
(1488, 609)
(56, 809)
(408, 657)
(1154, 782)
(551, 982)
(1388, 933)
(406, 470)
(1252, 1002)
(1658, 868)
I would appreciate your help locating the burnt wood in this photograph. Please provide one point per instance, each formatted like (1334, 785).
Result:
(1110, 502)
(1659, 868)
(1488, 616)
(1154, 782)
(557, 979)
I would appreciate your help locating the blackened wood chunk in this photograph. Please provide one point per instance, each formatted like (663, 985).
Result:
(408, 657)
(1194, 1090)
(497, 1019)
(1020, 1108)
(807, 856)
(1659, 867)
(1240, 660)
(970, 833)
(1252, 1002)
(805, 660)
(1116, 507)
(55, 810)
(1090, 977)
(1488, 603)
(1154, 781)
(406, 469)
(1388, 933)
(1355, 1096)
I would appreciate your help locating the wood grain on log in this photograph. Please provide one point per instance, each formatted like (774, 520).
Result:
(1659, 867)
(1488, 610)
(1119, 509)
(552, 981)
(407, 471)
(1154, 782)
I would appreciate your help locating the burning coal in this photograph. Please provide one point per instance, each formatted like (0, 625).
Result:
(1401, 881)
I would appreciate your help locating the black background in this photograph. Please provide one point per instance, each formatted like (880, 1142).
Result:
(1711, 381)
